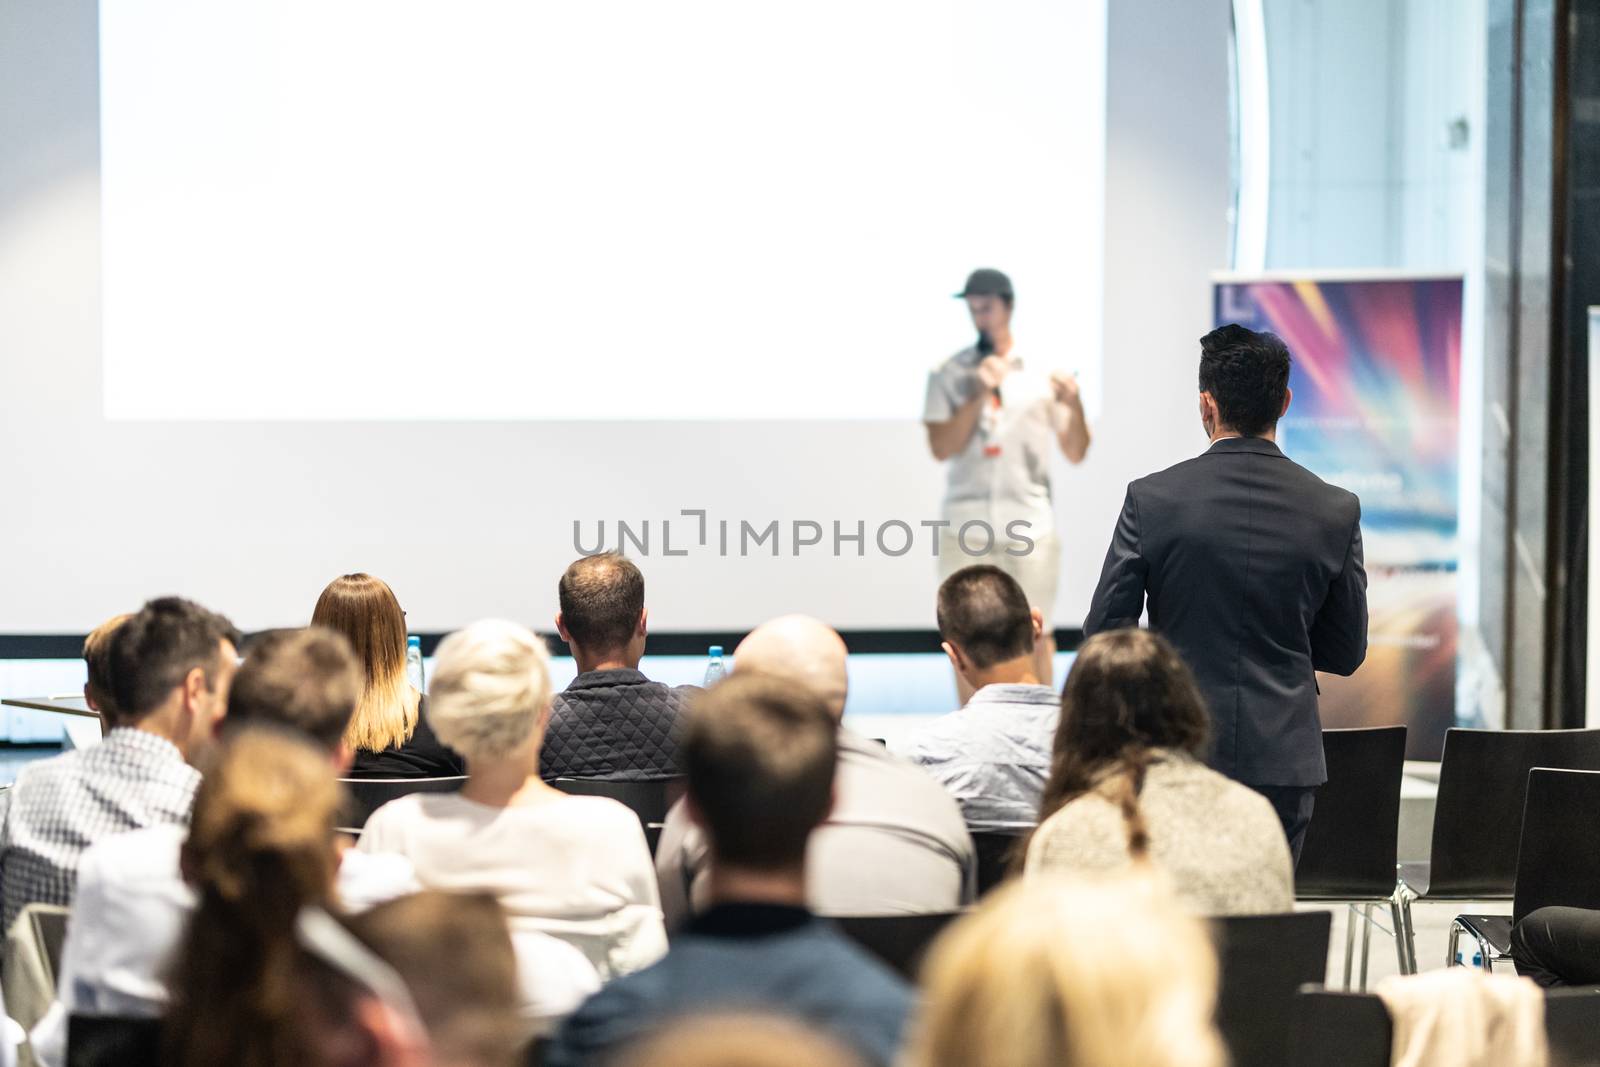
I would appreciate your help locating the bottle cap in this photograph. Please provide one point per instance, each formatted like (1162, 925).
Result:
(414, 640)
(716, 650)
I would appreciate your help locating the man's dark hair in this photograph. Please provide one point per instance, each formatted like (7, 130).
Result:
(307, 681)
(984, 612)
(1246, 373)
(601, 598)
(156, 649)
(758, 758)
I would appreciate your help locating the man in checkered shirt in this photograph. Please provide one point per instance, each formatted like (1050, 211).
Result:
(171, 665)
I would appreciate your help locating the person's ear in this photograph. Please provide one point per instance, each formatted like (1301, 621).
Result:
(1038, 623)
(343, 756)
(644, 619)
(195, 689)
(1288, 396)
(957, 660)
(392, 1040)
(561, 628)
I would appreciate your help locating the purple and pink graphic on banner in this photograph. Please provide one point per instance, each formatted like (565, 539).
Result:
(1376, 409)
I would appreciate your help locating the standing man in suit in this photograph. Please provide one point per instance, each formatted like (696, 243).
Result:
(1251, 566)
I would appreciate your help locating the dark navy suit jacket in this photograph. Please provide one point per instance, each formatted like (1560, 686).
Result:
(1251, 566)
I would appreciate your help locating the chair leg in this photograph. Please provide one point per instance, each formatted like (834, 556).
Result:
(1350, 919)
(1452, 951)
(1404, 939)
(1366, 942)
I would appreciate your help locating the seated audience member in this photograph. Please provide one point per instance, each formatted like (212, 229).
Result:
(994, 754)
(97, 658)
(612, 722)
(468, 1007)
(573, 867)
(170, 668)
(738, 1041)
(261, 848)
(389, 734)
(1071, 974)
(132, 901)
(894, 843)
(759, 757)
(1128, 786)
(1557, 946)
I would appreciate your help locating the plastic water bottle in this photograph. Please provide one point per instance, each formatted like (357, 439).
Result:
(715, 670)
(414, 663)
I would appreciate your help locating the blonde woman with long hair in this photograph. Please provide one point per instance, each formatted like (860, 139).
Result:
(1060, 973)
(389, 733)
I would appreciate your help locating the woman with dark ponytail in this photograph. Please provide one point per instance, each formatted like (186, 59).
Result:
(261, 847)
(1128, 787)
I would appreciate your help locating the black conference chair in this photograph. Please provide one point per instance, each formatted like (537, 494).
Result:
(648, 800)
(1351, 844)
(1477, 819)
(113, 1041)
(901, 941)
(1354, 1029)
(1558, 861)
(367, 795)
(998, 854)
(1339, 1029)
(1263, 960)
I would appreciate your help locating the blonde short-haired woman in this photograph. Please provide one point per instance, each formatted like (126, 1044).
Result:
(1060, 973)
(575, 868)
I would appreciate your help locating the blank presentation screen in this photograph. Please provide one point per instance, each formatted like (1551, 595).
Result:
(613, 209)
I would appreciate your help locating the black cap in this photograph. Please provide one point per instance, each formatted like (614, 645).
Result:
(986, 281)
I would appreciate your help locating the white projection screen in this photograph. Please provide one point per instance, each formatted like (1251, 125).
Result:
(290, 288)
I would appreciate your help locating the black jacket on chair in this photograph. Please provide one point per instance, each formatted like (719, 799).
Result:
(1252, 568)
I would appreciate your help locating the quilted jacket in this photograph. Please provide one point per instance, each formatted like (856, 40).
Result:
(614, 724)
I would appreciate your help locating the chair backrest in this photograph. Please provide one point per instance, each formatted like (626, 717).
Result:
(1572, 1023)
(32, 963)
(367, 795)
(1483, 783)
(901, 941)
(113, 1041)
(50, 928)
(1351, 844)
(649, 800)
(1558, 861)
(997, 853)
(1334, 1029)
(1263, 962)
(1354, 1029)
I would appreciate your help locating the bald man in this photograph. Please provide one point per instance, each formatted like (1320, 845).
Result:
(896, 843)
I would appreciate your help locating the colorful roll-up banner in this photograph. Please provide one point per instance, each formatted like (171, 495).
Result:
(1377, 389)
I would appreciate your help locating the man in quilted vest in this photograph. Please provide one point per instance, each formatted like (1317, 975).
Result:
(612, 722)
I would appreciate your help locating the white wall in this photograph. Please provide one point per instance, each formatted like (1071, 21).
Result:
(254, 518)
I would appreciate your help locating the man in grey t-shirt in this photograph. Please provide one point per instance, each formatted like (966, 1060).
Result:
(998, 422)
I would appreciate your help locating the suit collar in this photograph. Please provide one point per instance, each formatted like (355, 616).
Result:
(1259, 446)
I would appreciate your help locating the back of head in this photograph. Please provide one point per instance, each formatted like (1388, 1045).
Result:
(1127, 694)
(738, 1041)
(155, 649)
(1049, 973)
(490, 689)
(306, 680)
(97, 658)
(804, 651)
(260, 847)
(1247, 374)
(470, 1004)
(758, 756)
(984, 612)
(364, 611)
(602, 597)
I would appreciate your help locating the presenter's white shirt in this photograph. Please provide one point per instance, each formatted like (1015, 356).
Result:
(1003, 473)
(575, 868)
